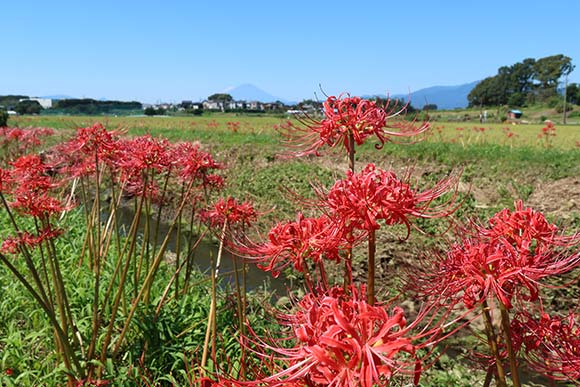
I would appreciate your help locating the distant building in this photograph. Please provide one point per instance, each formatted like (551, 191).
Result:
(236, 105)
(514, 114)
(211, 105)
(254, 105)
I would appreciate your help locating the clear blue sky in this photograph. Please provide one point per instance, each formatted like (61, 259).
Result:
(173, 50)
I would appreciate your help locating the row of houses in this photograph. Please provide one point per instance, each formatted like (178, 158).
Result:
(234, 105)
(220, 106)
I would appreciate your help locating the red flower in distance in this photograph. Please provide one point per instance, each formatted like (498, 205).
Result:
(345, 116)
(230, 211)
(340, 340)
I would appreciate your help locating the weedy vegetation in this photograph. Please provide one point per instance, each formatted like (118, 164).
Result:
(410, 253)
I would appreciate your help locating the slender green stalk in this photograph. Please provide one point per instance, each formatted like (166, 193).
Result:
(122, 280)
(211, 321)
(371, 268)
(96, 254)
(492, 342)
(147, 282)
(348, 259)
(351, 151)
(505, 323)
(160, 210)
(174, 278)
(62, 337)
(27, 258)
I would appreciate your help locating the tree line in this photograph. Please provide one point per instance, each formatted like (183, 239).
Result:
(523, 83)
(92, 106)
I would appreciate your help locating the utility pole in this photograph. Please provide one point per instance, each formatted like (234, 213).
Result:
(565, 91)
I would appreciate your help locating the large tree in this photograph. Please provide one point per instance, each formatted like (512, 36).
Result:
(220, 97)
(28, 106)
(550, 69)
(489, 92)
(573, 93)
(521, 82)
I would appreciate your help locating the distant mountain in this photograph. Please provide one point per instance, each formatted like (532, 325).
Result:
(249, 92)
(445, 97)
(59, 96)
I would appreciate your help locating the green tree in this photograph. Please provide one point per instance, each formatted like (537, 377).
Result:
(220, 97)
(573, 94)
(522, 76)
(150, 111)
(550, 69)
(492, 91)
(3, 118)
(28, 106)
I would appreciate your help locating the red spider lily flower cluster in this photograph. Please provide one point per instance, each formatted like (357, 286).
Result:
(193, 164)
(91, 145)
(229, 211)
(514, 253)
(14, 244)
(340, 340)
(346, 116)
(550, 344)
(296, 242)
(23, 138)
(548, 131)
(363, 199)
(135, 163)
(30, 184)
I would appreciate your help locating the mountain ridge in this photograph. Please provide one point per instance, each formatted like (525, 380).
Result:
(445, 97)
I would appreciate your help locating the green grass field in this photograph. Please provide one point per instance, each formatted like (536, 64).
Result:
(216, 126)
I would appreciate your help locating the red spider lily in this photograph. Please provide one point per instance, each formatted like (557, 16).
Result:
(515, 253)
(340, 340)
(363, 199)
(194, 164)
(94, 144)
(234, 126)
(552, 344)
(13, 244)
(32, 184)
(213, 124)
(145, 152)
(94, 139)
(230, 211)
(549, 129)
(139, 161)
(31, 173)
(295, 243)
(346, 116)
(5, 180)
(524, 225)
(24, 138)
